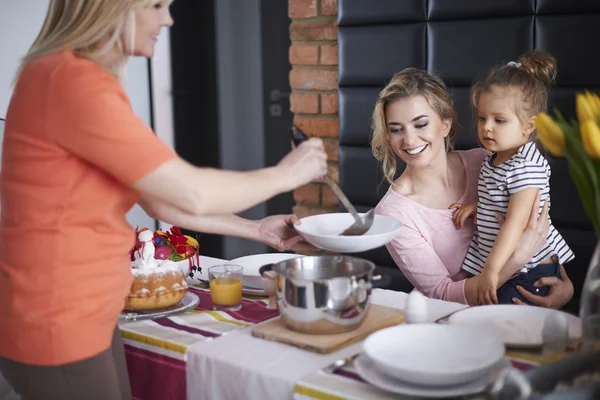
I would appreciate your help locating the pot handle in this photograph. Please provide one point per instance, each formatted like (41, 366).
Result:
(265, 268)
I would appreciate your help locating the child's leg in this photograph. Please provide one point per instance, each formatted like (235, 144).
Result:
(509, 290)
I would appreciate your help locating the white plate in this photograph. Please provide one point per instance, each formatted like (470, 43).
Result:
(367, 370)
(433, 354)
(516, 325)
(323, 231)
(251, 264)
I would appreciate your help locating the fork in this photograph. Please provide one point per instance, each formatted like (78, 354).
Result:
(341, 363)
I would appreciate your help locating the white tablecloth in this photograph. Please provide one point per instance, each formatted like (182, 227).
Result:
(240, 366)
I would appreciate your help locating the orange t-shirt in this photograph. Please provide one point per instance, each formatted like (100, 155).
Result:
(72, 150)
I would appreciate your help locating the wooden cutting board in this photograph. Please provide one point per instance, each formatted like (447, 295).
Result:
(378, 317)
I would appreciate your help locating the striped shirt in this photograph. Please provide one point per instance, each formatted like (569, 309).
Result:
(526, 169)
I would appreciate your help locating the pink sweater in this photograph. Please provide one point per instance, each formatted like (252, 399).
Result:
(429, 249)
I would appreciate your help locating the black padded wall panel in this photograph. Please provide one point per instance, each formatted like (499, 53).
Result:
(381, 12)
(457, 54)
(566, 6)
(357, 103)
(571, 39)
(361, 166)
(457, 9)
(394, 45)
(459, 40)
(467, 138)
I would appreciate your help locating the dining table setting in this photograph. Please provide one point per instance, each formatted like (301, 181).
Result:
(290, 326)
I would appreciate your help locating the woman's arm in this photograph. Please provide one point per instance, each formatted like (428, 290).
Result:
(103, 132)
(204, 191)
(273, 231)
(421, 265)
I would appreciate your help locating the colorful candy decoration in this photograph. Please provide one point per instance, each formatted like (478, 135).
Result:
(171, 245)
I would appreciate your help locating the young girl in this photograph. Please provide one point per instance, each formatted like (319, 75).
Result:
(506, 104)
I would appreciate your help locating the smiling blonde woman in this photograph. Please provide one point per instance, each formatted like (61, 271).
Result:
(75, 160)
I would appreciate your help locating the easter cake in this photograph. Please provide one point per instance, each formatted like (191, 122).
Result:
(158, 282)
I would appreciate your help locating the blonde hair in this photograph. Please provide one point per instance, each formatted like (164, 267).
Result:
(80, 25)
(406, 83)
(533, 74)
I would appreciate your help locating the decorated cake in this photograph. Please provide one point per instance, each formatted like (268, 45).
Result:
(158, 282)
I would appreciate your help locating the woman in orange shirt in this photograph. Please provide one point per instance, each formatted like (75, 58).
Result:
(75, 160)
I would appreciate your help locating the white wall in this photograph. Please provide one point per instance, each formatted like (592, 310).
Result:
(20, 22)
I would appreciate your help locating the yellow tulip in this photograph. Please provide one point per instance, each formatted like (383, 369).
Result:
(594, 102)
(550, 134)
(191, 241)
(583, 108)
(590, 136)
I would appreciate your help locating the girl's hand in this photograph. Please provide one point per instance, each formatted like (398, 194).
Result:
(463, 211)
(487, 286)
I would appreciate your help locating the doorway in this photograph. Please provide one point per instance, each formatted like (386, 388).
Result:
(231, 96)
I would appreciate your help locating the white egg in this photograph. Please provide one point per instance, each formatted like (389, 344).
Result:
(415, 308)
(555, 332)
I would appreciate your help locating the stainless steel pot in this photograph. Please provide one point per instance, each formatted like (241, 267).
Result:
(323, 294)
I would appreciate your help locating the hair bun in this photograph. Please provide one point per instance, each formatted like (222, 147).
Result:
(540, 64)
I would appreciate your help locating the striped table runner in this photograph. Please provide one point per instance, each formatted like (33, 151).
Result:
(156, 349)
(346, 384)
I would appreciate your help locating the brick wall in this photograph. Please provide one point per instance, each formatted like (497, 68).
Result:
(314, 98)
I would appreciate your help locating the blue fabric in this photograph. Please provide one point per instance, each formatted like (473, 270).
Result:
(526, 280)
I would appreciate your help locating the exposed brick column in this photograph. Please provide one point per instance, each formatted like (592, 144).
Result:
(314, 98)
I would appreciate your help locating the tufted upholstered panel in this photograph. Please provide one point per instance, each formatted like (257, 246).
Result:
(460, 40)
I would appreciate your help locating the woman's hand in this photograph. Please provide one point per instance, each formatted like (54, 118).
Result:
(305, 163)
(275, 231)
(561, 291)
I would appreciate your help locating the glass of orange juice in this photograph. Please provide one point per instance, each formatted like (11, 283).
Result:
(226, 287)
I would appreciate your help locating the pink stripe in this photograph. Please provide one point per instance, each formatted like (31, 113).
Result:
(522, 366)
(251, 312)
(349, 375)
(155, 376)
(169, 323)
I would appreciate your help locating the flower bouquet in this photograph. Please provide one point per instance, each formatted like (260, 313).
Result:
(578, 141)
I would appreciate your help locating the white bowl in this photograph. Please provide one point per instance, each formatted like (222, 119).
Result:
(251, 264)
(323, 231)
(432, 354)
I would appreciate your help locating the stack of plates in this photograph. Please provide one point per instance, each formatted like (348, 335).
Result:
(430, 360)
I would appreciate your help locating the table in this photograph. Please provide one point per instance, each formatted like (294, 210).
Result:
(240, 366)
(157, 350)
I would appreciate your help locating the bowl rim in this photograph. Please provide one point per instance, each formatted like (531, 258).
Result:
(490, 361)
(349, 238)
